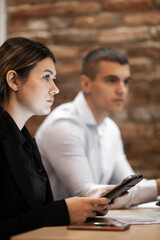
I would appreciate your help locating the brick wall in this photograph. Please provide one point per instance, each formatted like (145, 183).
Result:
(73, 27)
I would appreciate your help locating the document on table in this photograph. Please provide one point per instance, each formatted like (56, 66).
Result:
(137, 218)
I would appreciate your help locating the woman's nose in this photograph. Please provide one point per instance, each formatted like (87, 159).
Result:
(54, 90)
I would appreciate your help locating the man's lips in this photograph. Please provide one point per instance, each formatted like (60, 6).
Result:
(118, 100)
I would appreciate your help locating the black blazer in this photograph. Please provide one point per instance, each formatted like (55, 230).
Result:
(18, 212)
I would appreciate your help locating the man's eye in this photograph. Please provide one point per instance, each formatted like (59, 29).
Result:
(54, 80)
(126, 82)
(111, 80)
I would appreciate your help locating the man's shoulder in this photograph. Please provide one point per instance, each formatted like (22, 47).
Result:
(66, 111)
(111, 124)
(62, 118)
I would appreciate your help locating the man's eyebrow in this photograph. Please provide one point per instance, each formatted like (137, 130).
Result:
(116, 77)
(128, 78)
(111, 76)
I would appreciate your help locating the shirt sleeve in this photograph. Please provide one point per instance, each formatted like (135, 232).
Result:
(63, 147)
(143, 192)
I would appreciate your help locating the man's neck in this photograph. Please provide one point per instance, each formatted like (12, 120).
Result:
(97, 113)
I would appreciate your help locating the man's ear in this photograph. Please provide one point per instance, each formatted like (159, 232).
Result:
(85, 83)
(12, 80)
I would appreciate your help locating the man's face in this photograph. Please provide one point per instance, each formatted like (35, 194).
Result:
(109, 89)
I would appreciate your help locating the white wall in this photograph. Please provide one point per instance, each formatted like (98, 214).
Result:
(2, 21)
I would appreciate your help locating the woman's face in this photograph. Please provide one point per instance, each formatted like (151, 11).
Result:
(36, 95)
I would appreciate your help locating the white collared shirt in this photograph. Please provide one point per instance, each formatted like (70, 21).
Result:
(80, 155)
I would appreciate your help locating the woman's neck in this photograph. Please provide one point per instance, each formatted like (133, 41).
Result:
(17, 114)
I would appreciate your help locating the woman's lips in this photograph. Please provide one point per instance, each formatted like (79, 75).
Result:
(51, 101)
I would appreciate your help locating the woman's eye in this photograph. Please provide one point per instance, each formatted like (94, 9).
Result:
(46, 77)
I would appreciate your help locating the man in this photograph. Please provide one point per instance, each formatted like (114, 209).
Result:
(81, 146)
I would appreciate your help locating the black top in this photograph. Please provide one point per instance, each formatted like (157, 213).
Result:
(34, 169)
(26, 200)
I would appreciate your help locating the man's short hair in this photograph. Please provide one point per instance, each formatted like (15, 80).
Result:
(91, 60)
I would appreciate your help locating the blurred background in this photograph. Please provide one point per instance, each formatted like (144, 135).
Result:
(71, 28)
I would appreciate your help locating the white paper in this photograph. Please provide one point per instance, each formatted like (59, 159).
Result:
(138, 218)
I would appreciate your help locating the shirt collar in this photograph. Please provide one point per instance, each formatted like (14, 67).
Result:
(86, 114)
(84, 110)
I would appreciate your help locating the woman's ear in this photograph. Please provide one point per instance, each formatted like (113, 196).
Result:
(12, 80)
(85, 83)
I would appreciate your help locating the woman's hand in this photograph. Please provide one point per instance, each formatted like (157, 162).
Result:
(81, 208)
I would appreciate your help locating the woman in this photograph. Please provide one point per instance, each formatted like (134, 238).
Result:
(27, 88)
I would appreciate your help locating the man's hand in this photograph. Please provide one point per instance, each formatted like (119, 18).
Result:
(96, 193)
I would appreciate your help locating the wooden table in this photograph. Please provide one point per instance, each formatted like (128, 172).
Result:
(135, 232)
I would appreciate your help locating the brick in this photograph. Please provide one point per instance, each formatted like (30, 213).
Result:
(155, 31)
(16, 26)
(156, 97)
(140, 81)
(121, 116)
(145, 49)
(150, 18)
(37, 25)
(66, 83)
(146, 165)
(33, 25)
(100, 20)
(28, 11)
(154, 82)
(140, 97)
(137, 161)
(123, 34)
(155, 111)
(157, 2)
(64, 52)
(15, 2)
(76, 7)
(33, 123)
(40, 36)
(140, 114)
(136, 130)
(66, 67)
(141, 64)
(157, 65)
(74, 36)
(60, 22)
(64, 95)
(157, 130)
(150, 174)
(145, 146)
(126, 5)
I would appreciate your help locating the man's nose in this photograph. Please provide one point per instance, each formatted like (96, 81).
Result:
(121, 88)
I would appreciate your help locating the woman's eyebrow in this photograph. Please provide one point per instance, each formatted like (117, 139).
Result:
(48, 71)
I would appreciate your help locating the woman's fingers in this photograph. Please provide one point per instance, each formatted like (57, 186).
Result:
(81, 208)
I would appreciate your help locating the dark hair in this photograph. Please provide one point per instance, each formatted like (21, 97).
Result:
(91, 60)
(19, 54)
